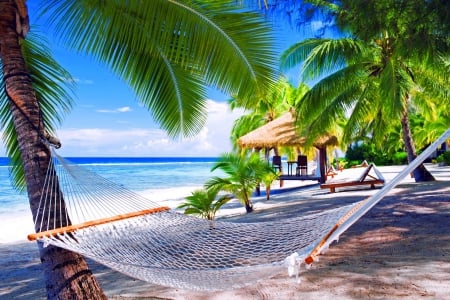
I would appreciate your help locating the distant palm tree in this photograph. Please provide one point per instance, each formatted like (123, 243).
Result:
(277, 101)
(204, 203)
(169, 52)
(431, 126)
(243, 174)
(377, 76)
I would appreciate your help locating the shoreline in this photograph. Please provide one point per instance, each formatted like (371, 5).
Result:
(399, 250)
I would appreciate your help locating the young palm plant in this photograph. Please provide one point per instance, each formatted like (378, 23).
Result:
(267, 179)
(243, 175)
(204, 203)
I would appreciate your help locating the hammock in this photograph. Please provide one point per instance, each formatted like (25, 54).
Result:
(135, 236)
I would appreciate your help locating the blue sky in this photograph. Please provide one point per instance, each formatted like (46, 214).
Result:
(108, 121)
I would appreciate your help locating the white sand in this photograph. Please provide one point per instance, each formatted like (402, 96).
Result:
(399, 250)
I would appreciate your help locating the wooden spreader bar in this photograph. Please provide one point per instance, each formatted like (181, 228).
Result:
(71, 228)
(316, 251)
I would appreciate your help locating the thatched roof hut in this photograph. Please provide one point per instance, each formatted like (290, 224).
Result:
(281, 132)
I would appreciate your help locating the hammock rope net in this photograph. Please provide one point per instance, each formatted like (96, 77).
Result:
(133, 235)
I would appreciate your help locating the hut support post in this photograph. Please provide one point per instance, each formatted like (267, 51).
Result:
(323, 163)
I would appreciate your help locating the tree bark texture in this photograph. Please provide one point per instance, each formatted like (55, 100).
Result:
(67, 275)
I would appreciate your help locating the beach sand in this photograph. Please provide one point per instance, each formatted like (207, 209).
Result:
(399, 250)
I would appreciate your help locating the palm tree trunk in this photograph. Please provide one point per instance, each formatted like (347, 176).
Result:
(248, 205)
(420, 173)
(67, 275)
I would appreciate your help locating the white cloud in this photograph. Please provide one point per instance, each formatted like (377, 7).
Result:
(213, 139)
(124, 109)
(83, 81)
(117, 110)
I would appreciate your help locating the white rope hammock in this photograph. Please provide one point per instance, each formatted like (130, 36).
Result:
(137, 237)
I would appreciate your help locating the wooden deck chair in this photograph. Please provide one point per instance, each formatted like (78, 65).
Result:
(364, 179)
(276, 163)
(302, 165)
(332, 171)
(364, 164)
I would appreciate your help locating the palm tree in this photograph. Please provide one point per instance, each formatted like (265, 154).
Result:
(377, 75)
(204, 203)
(277, 101)
(20, 118)
(244, 173)
(167, 51)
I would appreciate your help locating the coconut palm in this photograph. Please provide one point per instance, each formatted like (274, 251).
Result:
(243, 174)
(167, 51)
(277, 101)
(50, 83)
(204, 203)
(378, 75)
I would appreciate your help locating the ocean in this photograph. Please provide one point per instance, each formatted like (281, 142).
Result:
(166, 180)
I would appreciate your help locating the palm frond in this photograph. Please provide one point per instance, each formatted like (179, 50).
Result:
(52, 83)
(298, 53)
(322, 56)
(337, 90)
(53, 86)
(244, 125)
(433, 79)
(395, 85)
(153, 44)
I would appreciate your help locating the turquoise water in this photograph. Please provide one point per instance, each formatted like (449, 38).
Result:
(167, 180)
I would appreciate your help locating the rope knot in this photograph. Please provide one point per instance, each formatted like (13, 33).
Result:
(52, 140)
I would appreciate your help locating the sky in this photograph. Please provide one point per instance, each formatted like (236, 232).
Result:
(107, 120)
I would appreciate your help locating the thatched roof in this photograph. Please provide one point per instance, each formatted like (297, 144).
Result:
(280, 132)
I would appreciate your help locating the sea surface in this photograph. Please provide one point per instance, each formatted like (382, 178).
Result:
(166, 180)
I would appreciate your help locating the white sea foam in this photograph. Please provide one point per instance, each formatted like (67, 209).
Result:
(171, 197)
(17, 222)
(167, 183)
(15, 227)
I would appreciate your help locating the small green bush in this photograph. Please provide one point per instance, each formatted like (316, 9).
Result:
(352, 163)
(400, 158)
(339, 163)
(444, 157)
(382, 161)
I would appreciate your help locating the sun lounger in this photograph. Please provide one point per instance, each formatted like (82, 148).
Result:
(365, 179)
(332, 171)
(364, 164)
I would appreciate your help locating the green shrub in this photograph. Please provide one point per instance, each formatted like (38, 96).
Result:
(352, 163)
(382, 160)
(400, 158)
(444, 157)
(341, 162)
